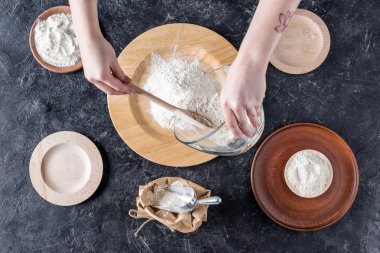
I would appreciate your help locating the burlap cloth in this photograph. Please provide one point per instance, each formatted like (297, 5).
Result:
(184, 222)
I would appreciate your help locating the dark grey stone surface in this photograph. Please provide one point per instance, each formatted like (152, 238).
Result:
(343, 94)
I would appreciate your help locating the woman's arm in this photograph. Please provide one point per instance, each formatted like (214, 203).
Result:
(99, 60)
(244, 90)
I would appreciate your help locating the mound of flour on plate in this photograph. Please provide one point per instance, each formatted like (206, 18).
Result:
(56, 42)
(183, 84)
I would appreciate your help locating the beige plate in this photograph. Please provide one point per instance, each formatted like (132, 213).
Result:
(304, 45)
(66, 168)
(130, 114)
(43, 16)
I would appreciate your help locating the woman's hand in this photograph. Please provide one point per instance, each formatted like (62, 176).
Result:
(242, 96)
(244, 90)
(102, 69)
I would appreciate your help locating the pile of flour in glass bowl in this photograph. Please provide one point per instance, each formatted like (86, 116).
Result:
(185, 85)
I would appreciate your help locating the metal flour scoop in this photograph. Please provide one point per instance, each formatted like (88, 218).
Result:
(182, 199)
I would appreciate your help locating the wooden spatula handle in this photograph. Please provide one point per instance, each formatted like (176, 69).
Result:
(177, 111)
(155, 99)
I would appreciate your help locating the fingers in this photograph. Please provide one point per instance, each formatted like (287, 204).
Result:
(231, 122)
(116, 84)
(106, 89)
(252, 114)
(107, 79)
(117, 80)
(119, 74)
(258, 116)
(112, 83)
(245, 126)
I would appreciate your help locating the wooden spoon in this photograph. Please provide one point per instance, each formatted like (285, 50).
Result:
(192, 117)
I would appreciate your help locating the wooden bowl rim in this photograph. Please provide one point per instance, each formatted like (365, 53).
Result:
(43, 16)
(356, 183)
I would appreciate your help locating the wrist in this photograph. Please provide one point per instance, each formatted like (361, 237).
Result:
(252, 62)
(90, 40)
(90, 36)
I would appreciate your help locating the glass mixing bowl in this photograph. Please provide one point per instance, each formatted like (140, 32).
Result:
(217, 141)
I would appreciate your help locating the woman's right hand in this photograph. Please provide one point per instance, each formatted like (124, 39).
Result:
(102, 69)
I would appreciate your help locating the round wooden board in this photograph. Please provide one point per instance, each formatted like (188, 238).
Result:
(130, 114)
(65, 168)
(44, 16)
(279, 202)
(304, 45)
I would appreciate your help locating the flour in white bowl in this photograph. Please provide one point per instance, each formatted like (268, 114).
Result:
(308, 173)
(56, 42)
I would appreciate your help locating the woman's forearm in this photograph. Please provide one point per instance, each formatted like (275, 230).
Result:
(85, 18)
(266, 29)
(99, 60)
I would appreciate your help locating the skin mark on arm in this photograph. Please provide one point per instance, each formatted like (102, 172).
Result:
(284, 20)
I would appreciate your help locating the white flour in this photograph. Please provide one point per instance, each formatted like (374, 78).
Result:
(308, 173)
(185, 85)
(56, 42)
(164, 197)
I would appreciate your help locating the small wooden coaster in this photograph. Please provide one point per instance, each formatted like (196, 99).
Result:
(304, 45)
(66, 168)
(44, 16)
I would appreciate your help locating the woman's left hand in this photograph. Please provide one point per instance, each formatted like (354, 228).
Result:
(242, 96)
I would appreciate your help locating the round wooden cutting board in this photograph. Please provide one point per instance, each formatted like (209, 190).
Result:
(304, 45)
(130, 114)
(279, 202)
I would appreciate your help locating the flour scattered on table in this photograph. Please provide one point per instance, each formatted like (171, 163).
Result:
(308, 173)
(56, 42)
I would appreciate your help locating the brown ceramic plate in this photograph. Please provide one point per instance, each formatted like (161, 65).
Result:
(279, 202)
(43, 16)
(304, 45)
